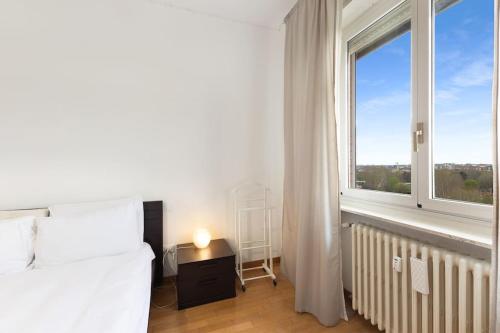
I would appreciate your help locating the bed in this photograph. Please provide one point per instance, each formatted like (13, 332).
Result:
(104, 294)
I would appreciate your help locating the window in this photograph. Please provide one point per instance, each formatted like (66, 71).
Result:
(381, 90)
(418, 95)
(463, 61)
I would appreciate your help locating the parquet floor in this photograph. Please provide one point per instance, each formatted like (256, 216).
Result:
(262, 308)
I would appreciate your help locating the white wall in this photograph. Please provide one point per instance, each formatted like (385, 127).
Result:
(108, 98)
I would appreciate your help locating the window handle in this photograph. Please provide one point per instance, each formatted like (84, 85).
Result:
(418, 136)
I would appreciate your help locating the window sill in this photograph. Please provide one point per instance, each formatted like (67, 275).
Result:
(472, 231)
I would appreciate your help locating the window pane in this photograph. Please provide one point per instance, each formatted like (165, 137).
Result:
(382, 113)
(462, 100)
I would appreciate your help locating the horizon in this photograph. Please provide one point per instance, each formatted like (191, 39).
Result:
(409, 164)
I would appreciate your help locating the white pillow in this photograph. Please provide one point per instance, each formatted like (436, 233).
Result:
(105, 232)
(16, 244)
(70, 210)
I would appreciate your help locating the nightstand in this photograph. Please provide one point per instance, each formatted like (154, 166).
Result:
(205, 275)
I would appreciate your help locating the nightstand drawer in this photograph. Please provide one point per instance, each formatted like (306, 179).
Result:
(205, 275)
(205, 290)
(198, 271)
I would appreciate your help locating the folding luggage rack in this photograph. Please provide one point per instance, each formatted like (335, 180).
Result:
(245, 205)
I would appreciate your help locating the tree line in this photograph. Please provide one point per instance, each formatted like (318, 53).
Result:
(462, 182)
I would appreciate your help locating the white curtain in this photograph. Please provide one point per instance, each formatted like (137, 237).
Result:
(495, 295)
(311, 256)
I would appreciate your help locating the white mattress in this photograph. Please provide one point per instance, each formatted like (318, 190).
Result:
(108, 294)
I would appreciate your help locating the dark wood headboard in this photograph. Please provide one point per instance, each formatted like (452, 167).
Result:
(153, 235)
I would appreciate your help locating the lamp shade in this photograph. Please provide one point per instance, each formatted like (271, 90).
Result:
(201, 238)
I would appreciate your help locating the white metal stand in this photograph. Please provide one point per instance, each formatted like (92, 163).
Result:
(246, 205)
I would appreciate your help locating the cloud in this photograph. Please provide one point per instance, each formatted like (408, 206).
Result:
(459, 112)
(382, 102)
(477, 73)
(445, 95)
(398, 51)
(450, 58)
(478, 114)
(461, 34)
(469, 20)
(372, 83)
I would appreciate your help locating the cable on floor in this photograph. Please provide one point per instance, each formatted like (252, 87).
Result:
(173, 286)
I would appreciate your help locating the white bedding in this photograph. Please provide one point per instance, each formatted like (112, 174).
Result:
(107, 294)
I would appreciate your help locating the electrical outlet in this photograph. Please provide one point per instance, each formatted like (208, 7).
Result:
(396, 264)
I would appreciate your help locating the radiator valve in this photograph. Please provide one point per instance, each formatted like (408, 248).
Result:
(396, 264)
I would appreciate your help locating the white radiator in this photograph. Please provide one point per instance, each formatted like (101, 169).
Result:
(458, 301)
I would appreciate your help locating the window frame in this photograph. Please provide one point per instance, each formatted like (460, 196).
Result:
(426, 115)
(348, 117)
(422, 104)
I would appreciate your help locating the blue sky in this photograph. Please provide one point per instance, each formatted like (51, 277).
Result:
(463, 70)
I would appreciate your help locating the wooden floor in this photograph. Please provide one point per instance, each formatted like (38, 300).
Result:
(262, 308)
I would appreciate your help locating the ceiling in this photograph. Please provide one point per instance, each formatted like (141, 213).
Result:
(265, 13)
